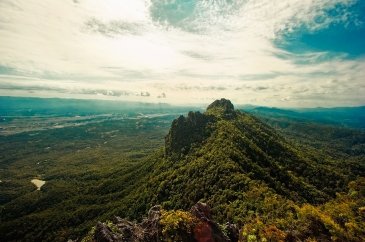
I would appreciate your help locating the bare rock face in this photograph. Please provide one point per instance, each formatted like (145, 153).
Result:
(148, 230)
(127, 229)
(207, 230)
(201, 211)
(104, 234)
(185, 131)
(196, 127)
(151, 226)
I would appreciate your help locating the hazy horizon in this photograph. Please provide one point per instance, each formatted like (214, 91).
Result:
(193, 106)
(265, 53)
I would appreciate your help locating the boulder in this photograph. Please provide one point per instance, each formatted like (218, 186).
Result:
(104, 234)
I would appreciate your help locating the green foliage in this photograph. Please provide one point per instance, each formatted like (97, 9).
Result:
(89, 171)
(177, 225)
(256, 230)
(272, 182)
(340, 219)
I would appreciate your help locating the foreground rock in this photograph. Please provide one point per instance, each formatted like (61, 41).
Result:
(160, 225)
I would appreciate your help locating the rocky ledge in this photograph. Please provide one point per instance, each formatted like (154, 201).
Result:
(160, 225)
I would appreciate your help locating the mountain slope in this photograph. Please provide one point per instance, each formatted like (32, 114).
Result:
(222, 155)
(250, 176)
(340, 219)
(246, 171)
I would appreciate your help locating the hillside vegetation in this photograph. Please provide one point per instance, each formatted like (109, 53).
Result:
(252, 177)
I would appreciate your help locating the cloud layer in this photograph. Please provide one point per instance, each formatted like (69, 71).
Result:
(191, 51)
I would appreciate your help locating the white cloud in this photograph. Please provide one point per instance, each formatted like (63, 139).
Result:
(220, 44)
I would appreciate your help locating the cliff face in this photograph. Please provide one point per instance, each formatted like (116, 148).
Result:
(192, 130)
(186, 131)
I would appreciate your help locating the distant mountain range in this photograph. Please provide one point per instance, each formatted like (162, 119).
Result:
(346, 116)
(28, 106)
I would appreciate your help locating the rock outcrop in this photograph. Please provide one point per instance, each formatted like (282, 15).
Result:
(185, 131)
(193, 129)
(207, 229)
(103, 233)
(222, 108)
(223, 104)
(203, 228)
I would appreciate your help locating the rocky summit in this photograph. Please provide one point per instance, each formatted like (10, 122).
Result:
(193, 129)
(224, 104)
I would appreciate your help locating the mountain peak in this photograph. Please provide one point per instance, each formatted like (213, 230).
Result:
(196, 127)
(223, 104)
(222, 108)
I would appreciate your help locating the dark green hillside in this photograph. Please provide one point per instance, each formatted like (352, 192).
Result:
(220, 155)
(339, 147)
(274, 175)
(341, 219)
(88, 169)
(250, 175)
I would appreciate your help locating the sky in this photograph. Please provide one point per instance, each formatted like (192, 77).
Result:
(283, 53)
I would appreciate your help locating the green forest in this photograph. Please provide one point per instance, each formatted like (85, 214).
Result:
(273, 176)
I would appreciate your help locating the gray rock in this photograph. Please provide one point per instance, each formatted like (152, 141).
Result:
(104, 234)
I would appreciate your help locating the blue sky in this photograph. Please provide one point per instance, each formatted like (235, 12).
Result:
(285, 53)
(347, 37)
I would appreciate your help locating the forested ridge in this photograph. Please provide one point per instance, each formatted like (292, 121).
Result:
(263, 178)
(252, 177)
